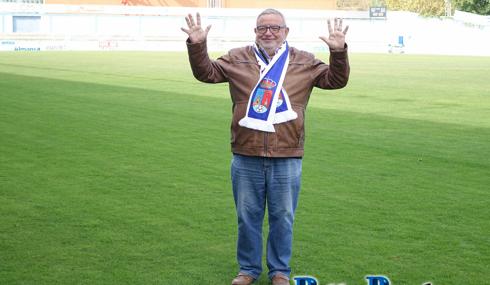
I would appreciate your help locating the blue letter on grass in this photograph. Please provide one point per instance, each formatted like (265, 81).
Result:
(305, 280)
(378, 280)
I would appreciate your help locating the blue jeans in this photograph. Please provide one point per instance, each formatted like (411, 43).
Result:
(257, 182)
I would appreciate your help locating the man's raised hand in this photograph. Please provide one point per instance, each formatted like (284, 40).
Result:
(336, 36)
(195, 31)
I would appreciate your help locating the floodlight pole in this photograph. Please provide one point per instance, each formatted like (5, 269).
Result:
(448, 8)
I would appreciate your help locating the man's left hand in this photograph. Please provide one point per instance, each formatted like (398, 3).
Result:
(336, 36)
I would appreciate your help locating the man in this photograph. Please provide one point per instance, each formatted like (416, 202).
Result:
(270, 84)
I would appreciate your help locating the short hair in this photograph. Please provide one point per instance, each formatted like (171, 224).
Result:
(271, 11)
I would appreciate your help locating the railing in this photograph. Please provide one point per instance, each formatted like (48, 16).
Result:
(472, 19)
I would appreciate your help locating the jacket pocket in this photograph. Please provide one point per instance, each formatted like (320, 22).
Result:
(242, 136)
(291, 134)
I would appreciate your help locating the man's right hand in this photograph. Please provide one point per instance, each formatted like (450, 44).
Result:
(195, 31)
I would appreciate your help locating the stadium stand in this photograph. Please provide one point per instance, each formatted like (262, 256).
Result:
(43, 26)
(305, 4)
(154, 3)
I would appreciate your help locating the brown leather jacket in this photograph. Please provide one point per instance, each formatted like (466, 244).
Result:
(240, 69)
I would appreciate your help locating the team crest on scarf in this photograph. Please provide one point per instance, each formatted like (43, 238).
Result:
(263, 97)
(268, 102)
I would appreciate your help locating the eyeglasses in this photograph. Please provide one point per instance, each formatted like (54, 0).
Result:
(273, 28)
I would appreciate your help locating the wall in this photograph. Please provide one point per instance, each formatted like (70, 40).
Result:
(91, 27)
(280, 4)
(163, 3)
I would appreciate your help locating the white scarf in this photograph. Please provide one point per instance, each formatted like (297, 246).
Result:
(268, 103)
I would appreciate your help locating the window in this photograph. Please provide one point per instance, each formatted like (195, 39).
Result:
(214, 4)
(27, 24)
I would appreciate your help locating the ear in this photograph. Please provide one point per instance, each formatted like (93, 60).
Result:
(286, 31)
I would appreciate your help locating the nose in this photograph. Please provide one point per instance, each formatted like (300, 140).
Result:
(268, 31)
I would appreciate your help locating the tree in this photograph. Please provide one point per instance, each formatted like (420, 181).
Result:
(423, 7)
(437, 7)
(481, 7)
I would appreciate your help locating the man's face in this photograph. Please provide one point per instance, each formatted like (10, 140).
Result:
(270, 39)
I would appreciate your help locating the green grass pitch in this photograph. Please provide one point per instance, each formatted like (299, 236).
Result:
(114, 169)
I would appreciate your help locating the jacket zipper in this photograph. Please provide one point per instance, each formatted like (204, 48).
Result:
(266, 140)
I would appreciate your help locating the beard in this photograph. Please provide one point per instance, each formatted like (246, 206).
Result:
(270, 45)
